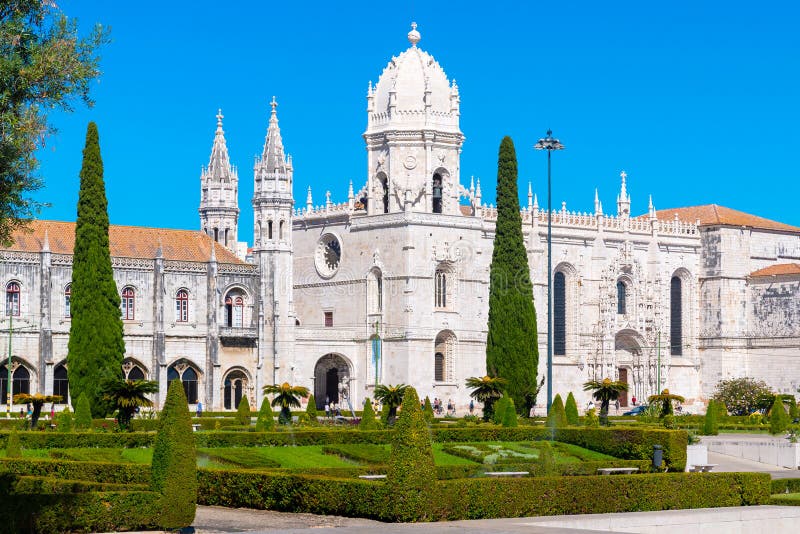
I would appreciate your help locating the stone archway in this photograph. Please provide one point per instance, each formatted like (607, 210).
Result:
(628, 359)
(331, 374)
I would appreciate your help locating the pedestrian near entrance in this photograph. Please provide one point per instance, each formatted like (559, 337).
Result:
(199, 409)
(633, 400)
(471, 406)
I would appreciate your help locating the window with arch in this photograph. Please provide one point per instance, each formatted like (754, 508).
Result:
(234, 310)
(384, 192)
(61, 383)
(559, 314)
(12, 299)
(375, 291)
(269, 230)
(280, 230)
(621, 298)
(128, 304)
(182, 306)
(20, 381)
(188, 377)
(440, 288)
(437, 193)
(444, 355)
(675, 317)
(132, 370)
(216, 235)
(226, 236)
(438, 367)
(235, 387)
(67, 298)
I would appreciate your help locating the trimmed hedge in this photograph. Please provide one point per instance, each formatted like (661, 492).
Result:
(71, 440)
(107, 473)
(49, 485)
(786, 485)
(790, 499)
(476, 498)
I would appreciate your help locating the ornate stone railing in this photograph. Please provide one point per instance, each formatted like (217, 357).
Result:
(237, 268)
(245, 332)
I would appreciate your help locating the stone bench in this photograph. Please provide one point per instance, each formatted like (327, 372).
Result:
(507, 473)
(702, 468)
(617, 470)
(372, 477)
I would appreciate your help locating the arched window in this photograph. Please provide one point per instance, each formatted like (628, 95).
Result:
(182, 306)
(135, 373)
(675, 317)
(20, 382)
(12, 299)
(384, 183)
(128, 303)
(226, 237)
(440, 288)
(234, 311)
(269, 230)
(374, 291)
(559, 314)
(258, 236)
(61, 383)
(216, 235)
(437, 193)
(67, 297)
(280, 230)
(438, 367)
(621, 304)
(234, 389)
(444, 355)
(188, 377)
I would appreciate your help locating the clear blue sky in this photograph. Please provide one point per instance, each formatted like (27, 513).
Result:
(697, 101)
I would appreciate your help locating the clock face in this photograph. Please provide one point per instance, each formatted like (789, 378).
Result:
(328, 255)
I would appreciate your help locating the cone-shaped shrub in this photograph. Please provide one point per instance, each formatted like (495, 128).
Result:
(710, 424)
(311, 409)
(591, 419)
(557, 417)
(385, 414)
(368, 421)
(499, 410)
(243, 412)
(64, 421)
(571, 409)
(13, 446)
(778, 418)
(428, 411)
(174, 467)
(510, 415)
(411, 473)
(83, 414)
(546, 460)
(266, 418)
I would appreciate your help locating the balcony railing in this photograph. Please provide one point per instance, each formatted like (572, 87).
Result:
(242, 332)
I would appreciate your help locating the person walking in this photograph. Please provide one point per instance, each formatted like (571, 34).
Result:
(199, 409)
(471, 406)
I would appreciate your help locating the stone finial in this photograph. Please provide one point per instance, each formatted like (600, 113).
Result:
(220, 116)
(530, 196)
(213, 252)
(478, 193)
(598, 207)
(274, 105)
(472, 186)
(309, 201)
(350, 193)
(160, 250)
(413, 35)
(623, 199)
(535, 203)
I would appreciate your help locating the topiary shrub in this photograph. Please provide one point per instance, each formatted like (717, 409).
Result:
(174, 467)
(668, 421)
(411, 473)
(428, 411)
(83, 414)
(510, 415)
(710, 424)
(778, 418)
(266, 418)
(385, 414)
(547, 459)
(243, 412)
(13, 447)
(591, 419)
(571, 410)
(499, 410)
(557, 417)
(64, 421)
(368, 421)
(311, 409)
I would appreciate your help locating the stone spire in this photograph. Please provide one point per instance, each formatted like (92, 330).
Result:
(651, 210)
(478, 193)
(219, 164)
(530, 196)
(309, 201)
(623, 199)
(273, 158)
(598, 206)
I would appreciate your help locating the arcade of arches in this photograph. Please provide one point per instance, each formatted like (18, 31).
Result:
(331, 380)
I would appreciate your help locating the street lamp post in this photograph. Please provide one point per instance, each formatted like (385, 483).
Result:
(549, 143)
(10, 334)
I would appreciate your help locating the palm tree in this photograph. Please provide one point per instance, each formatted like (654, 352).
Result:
(126, 396)
(486, 390)
(37, 400)
(391, 396)
(605, 392)
(286, 396)
(666, 399)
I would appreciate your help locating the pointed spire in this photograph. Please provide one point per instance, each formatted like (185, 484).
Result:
(219, 164)
(472, 186)
(530, 196)
(350, 193)
(46, 242)
(598, 207)
(272, 155)
(478, 193)
(309, 201)
(623, 199)
(535, 203)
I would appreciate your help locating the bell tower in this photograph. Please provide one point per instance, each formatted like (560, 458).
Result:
(219, 193)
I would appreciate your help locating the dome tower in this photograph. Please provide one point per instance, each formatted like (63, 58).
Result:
(413, 137)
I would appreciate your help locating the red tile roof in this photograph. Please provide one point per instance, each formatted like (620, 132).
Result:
(712, 214)
(126, 242)
(777, 270)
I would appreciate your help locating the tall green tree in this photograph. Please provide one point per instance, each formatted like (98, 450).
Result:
(571, 409)
(44, 66)
(511, 344)
(96, 347)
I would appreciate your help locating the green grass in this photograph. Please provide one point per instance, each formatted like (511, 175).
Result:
(786, 499)
(442, 458)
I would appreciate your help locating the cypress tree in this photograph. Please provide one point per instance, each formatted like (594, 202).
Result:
(571, 409)
(266, 418)
(557, 416)
(83, 413)
(243, 412)
(710, 425)
(174, 466)
(547, 459)
(311, 409)
(13, 446)
(499, 409)
(511, 344)
(778, 418)
(428, 411)
(510, 415)
(368, 421)
(96, 347)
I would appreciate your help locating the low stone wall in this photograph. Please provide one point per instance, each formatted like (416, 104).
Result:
(772, 451)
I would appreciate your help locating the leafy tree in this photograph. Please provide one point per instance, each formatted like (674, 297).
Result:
(428, 411)
(487, 390)
(83, 414)
(311, 409)
(411, 473)
(710, 424)
(174, 467)
(778, 418)
(126, 396)
(557, 416)
(511, 344)
(96, 348)
(499, 409)
(44, 66)
(368, 421)
(510, 415)
(604, 392)
(665, 399)
(243, 412)
(36, 400)
(286, 396)
(741, 395)
(391, 396)
(265, 422)
(571, 409)
(64, 420)
(13, 446)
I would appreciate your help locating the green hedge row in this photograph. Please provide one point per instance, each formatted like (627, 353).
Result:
(791, 499)
(786, 485)
(475, 498)
(70, 440)
(50, 485)
(106, 473)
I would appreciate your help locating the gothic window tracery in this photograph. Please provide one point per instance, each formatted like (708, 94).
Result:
(559, 314)
(444, 355)
(61, 383)
(182, 306)
(12, 298)
(234, 309)
(128, 304)
(437, 193)
(676, 316)
(67, 301)
(621, 298)
(188, 377)
(20, 380)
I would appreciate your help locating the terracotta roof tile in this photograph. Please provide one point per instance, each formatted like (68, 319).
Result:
(712, 214)
(126, 242)
(778, 270)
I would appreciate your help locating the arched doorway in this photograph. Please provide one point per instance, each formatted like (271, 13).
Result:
(628, 356)
(331, 374)
(234, 388)
(20, 380)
